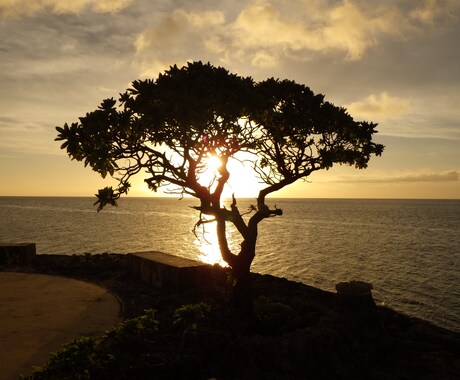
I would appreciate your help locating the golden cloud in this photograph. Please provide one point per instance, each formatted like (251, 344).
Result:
(175, 39)
(176, 29)
(383, 106)
(264, 32)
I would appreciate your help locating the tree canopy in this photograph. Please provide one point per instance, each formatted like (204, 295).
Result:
(169, 127)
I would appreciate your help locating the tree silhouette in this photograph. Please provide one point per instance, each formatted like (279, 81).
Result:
(170, 127)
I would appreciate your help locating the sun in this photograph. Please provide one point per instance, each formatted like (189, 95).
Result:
(213, 163)
(209, 174)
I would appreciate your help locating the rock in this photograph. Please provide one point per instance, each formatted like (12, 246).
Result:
(355, 296)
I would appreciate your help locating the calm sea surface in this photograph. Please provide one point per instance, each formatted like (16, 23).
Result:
(408, 249)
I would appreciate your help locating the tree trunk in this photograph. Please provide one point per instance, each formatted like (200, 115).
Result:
(242, 297)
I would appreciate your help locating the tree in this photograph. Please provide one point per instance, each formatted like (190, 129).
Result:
(170, 127)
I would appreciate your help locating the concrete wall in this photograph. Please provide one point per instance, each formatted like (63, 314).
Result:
(167, 271)
(17, 254)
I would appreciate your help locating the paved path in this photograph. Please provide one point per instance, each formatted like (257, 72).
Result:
(39, 313)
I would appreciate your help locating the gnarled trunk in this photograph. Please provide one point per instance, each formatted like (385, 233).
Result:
(242, 297)
(241, 262)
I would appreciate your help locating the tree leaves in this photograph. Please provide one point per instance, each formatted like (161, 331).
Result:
(303, 133)
(106, 196)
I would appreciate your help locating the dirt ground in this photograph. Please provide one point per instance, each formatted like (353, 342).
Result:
(40, 313)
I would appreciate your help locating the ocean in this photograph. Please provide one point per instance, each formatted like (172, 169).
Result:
(408, 249)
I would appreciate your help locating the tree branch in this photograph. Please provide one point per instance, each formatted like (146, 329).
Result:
(238, 220)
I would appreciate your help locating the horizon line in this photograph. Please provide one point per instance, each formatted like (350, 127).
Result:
(224, 198)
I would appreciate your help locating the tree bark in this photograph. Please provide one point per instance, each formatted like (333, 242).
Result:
(241, 293)
(242, 299)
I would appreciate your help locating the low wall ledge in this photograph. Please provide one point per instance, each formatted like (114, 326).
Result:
(167, 271)
(17, 253)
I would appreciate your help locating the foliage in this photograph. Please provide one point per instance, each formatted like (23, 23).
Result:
(78, 355)
(327, 346)
(107, 356)
(189, 316)
(169, 127)
(272, 313)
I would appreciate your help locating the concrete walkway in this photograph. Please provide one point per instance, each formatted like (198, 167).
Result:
(40, 313)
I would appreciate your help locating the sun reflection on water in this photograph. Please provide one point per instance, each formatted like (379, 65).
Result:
(208, 245)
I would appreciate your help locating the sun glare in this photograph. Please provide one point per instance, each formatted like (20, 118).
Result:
(242, 182)
(210, 172)
(213, 163)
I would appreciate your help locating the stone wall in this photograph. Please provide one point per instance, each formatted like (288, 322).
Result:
(17, 254)
(167, 271)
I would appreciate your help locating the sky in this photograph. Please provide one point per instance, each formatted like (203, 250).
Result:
(392, 62)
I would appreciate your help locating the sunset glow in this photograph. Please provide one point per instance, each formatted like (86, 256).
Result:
(394, 64)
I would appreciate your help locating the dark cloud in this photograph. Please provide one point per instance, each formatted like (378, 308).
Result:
(450, 176)
(428, 177)
(7, 120)
(20, 9)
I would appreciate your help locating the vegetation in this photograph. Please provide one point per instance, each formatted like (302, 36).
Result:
(296, 332)
(120, 354)
(170, 128)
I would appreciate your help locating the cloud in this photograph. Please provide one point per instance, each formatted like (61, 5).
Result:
(449, 176)
(425, 177)
(266, 32)
(431, 11)
(26, 137)
(425, 115)
(382, 106)
(15, 9)
(6, 121)
(175, 28)
(177, 37)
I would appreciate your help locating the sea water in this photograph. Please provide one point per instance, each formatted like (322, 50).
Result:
(408, 249)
